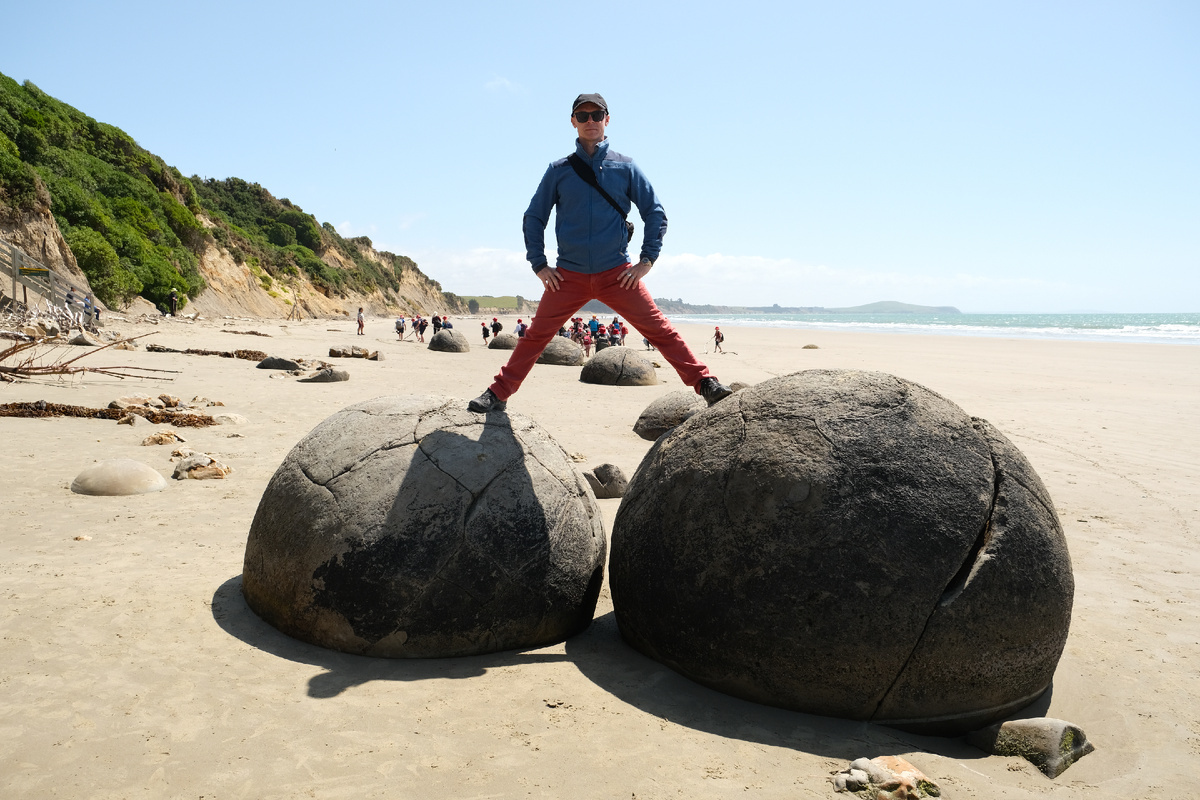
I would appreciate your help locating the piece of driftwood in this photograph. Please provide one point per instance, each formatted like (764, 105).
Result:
(247, 355)
(21, 360)
(41, 408)
(248, 333)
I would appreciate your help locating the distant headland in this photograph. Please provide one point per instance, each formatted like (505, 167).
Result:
(668, 306)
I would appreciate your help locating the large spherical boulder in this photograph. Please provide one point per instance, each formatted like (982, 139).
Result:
(409, 527)
(850, 544)
(504, 341)
(449, 341)
(668, 412)
(562, 351)
(619, 366)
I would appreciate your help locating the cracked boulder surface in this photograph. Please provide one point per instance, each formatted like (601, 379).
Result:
(849, 544)
(619, 366)
(408, 527)
(562, 352)
(449, 341)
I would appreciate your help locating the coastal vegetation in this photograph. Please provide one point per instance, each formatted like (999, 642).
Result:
(137, 226)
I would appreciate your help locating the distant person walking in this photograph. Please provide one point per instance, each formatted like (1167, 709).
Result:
(174, 301)
(591, 192)
(497, 326)
(400, 327)
(718, 337)
(420, 329)
(486, 332)
(361, 321)
(437, 324)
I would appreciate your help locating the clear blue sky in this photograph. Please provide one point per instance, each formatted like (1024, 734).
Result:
(996, 156)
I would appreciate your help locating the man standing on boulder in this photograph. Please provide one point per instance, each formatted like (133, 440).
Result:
(593, 259)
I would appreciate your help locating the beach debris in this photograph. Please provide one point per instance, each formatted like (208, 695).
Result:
(230, 419)
(26, 359)
(327, 376)
(200, 466)
(41, 408)
(619, 366)
(181, 452)
(1049, 744)
(162, 437)
(202, 402)
(350, 351)
(884, 778)
(607, 480)
(376, 356)
(132, 419)
(83, 339)
(247, 333)
(83, 538)
(275, 362)
(118, 476)
(125, 344)
(668, 412)
(578, 458)
(245, 355)
(810, 347)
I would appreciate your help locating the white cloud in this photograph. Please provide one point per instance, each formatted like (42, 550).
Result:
(503, 85)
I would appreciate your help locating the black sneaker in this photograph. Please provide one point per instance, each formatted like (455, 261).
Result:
(713, 391)
(486, 402)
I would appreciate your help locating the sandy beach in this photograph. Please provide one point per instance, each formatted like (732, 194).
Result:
(132, 667)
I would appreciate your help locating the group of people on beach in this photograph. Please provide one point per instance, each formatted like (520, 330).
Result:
(85, 314)
(420, 324)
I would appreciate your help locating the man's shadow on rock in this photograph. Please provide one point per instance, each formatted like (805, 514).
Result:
(605, 659)
(344, 670)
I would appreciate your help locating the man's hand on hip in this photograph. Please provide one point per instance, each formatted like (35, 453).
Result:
(550, 277)
(630, 277)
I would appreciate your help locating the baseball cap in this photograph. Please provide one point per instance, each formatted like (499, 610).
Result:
(589, 98)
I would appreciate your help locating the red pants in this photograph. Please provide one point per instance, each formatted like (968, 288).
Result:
(635, 306)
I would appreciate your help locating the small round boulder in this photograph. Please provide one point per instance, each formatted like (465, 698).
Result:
(619, 366)
(118, 476)
(504, 341)
(668, 412)
(450, 341)
(563, 352)
(849, 544)
(408, 527)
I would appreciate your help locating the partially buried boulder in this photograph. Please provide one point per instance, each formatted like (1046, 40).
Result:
(410, 527)
(668, 412)
(619, 366)
(850, 544)
(450, 341)
(274, 362)
(118, 476)
(329, 375)
(563, 352)
(504, 341)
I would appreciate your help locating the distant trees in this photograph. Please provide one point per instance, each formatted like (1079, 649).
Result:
(473, 305)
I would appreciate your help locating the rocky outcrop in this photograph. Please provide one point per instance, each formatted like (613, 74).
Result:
(849, 544)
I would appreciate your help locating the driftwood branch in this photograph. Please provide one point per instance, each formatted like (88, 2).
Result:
(28, 367)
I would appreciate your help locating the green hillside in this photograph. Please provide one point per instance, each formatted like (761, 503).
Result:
(132, 220)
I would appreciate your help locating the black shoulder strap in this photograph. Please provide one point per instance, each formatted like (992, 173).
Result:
(589, 177)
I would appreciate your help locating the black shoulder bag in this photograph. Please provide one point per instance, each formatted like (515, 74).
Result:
(589, 177)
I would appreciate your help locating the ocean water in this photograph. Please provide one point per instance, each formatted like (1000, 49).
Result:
(1155, 328)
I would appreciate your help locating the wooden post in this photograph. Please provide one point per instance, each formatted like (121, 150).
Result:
(16, 269)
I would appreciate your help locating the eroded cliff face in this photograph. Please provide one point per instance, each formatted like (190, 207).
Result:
(238, 290)
(36, 233)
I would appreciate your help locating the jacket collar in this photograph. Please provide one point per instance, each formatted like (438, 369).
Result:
(601, 150)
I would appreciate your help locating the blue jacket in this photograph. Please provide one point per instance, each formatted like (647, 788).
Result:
(591, 234)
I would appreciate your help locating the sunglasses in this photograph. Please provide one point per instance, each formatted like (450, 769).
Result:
(596, 116)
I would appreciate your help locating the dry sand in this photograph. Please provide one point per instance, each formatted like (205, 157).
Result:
(131, 667)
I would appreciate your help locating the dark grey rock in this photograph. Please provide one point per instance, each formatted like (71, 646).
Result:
(619, 366)
(563, 352)
(410, 527)
(1050, 744)
(274, 362)
(329, 375)
(849, 544)
(667, 412)
(607, 480)
(450, 341)
(504, 341)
